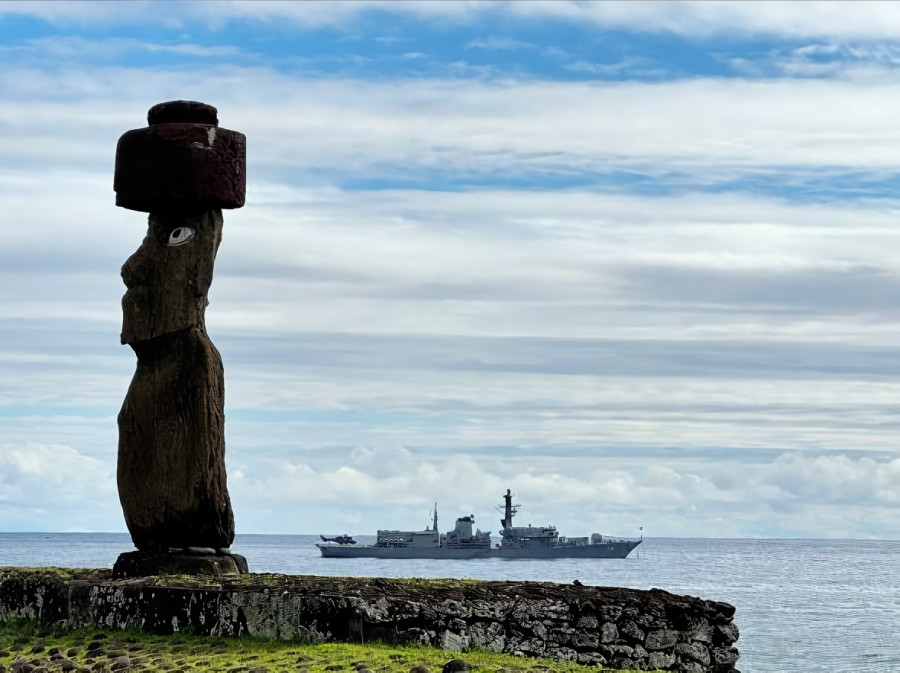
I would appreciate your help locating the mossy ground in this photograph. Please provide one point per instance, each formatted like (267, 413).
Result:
(50, 649)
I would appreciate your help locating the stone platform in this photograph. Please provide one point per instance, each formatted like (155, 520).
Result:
(606, 626)
(147, 564)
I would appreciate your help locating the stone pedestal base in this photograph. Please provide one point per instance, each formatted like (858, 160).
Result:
(145, 564)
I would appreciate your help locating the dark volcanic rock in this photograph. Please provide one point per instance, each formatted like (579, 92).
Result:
(661, 640)
(456, 666)
(180, 167)
(148, 564)
(120, 664)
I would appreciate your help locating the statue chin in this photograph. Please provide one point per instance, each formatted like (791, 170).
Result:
(136, 328)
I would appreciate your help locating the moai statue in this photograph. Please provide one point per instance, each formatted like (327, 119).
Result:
(182, 170)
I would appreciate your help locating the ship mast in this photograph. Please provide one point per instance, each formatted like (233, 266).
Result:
(435, 517)
(509, 510)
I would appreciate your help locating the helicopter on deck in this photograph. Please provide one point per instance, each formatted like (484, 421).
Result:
(340, 539)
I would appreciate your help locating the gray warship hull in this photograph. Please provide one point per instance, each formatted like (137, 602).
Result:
(372, 551)
(611, 549)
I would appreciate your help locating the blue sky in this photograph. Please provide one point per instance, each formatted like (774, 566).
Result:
(635, 261)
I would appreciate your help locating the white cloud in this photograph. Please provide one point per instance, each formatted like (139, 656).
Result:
(51, 49)
(872, 61)
(838, 479)
(496, 43)
(627, 66)
(54, 487)
(722, 17)
(707, 130)
(667, 496)
(859, 20)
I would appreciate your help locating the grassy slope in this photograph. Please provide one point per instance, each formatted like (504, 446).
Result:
(91, 650)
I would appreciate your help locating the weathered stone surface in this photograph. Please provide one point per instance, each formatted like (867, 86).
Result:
(693, 652)
(725, 656)
(630, 630)
(661, 660)
(587, 622)
(120, 663)
(660, 639)
(147, 564)
(41, 595)
(585, 640)
(726, 633)
(171, 455)
(702, 633)
(240, 562)
(489, 636)
(201, 551)
(439, 613)
(609, 633)
(453, 641)
(183, 112)
(182, 162)
(590, 658)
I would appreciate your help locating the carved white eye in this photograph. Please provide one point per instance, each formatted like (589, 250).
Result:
(181, 235)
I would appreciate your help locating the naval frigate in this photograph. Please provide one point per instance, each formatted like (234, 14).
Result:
(546, 542)
(464, 543)
(461, 542)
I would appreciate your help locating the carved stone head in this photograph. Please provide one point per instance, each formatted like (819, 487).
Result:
(168, 278)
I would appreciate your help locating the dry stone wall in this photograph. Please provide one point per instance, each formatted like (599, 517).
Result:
(613, 627)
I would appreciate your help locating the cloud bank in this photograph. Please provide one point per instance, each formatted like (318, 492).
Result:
(661, 285)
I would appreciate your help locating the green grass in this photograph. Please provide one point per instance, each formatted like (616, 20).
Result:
(96, 651)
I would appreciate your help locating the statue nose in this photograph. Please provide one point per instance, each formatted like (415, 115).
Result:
(134, 269)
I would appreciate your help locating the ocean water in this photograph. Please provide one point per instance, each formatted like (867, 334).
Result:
(810, 606)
